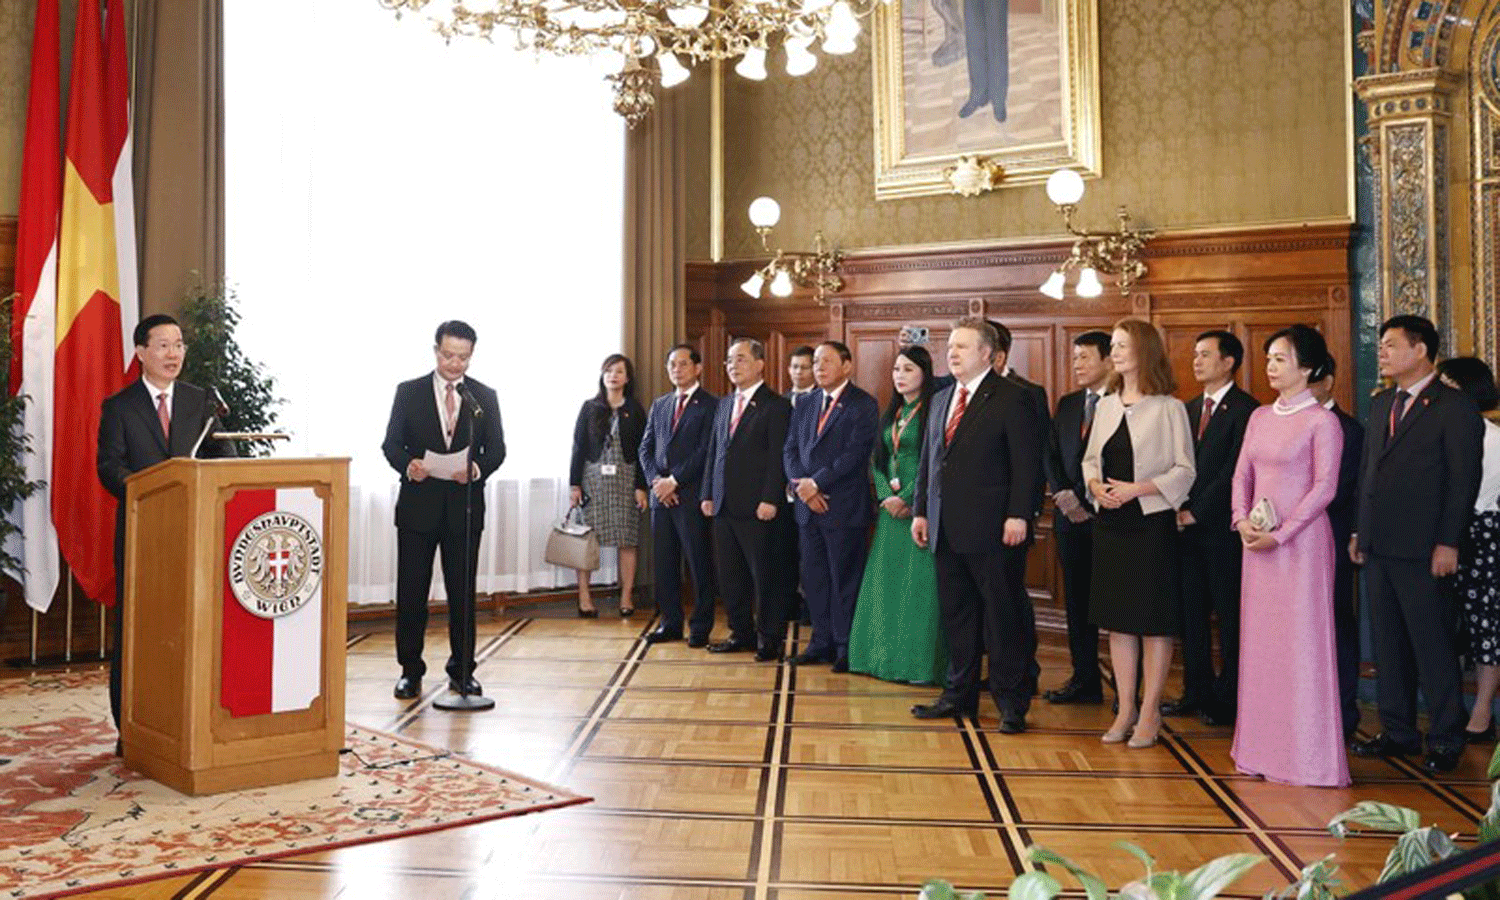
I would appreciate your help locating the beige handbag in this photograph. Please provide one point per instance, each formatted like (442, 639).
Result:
(572, 544)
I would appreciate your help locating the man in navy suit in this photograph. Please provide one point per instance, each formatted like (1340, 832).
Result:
(442, 412)
(745, 488)
(1341, 517)
(153, 419)
(972, 508)
(827, 463)
(1419, 475)
(673, 453)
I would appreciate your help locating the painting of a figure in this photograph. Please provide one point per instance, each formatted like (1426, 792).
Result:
(1013, 79)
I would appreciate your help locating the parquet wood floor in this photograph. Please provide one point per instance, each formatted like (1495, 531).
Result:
(716, 778)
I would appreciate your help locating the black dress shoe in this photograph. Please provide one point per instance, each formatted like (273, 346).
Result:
(841, 664)
(1217, 718)
(1074, 692)
(1012, 723)
(1486, 736)
(809, 659)
(768, 654)
(1439, 761)
(1182, 706)
(474, 689)
(662, 635)
(407, 687)
(697, 640)
(1380, 745)
(942, 709)
(731, 646)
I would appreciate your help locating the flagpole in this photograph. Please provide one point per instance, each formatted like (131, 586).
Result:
(102, 654)
(68, 625)
(34, 616)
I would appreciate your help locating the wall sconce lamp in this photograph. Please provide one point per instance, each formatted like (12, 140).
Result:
(816, 269)
(1116, 253)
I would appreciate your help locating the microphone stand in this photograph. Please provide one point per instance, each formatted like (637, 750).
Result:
(463, 701)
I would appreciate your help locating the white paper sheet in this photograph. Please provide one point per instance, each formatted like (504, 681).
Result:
(445, 465)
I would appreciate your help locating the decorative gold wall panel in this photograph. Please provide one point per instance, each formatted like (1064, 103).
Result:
(15, 61)
(1214, 112)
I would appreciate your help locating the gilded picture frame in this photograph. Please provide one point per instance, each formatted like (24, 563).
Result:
(932, 103)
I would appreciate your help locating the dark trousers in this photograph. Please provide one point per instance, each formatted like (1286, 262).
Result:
(833, 564)
(1075, 552)
(1413, 618)
(677, 532)
(987, 43)
(414, 555)
(748, 581)
(1211, 589)
(981, 610)
(1346, 635)
(786, 559)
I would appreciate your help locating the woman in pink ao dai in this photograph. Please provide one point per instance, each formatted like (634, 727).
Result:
(1288, 729)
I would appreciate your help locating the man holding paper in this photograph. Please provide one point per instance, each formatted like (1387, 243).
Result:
(439, 423)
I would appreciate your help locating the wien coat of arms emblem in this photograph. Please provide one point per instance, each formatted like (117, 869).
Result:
(276, 564)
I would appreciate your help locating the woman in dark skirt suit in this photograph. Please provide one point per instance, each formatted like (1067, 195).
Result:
(1139, 467)
(604, 476)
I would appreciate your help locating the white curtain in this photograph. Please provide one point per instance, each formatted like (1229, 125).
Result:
(378, 182)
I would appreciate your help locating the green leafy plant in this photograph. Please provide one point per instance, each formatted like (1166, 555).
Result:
(214, 359)
(15, 443)
(1203, 883)
(942, 890)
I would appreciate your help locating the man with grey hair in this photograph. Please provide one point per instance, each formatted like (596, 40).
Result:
(745, 488)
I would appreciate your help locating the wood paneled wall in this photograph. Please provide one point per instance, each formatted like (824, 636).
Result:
(1250, 282)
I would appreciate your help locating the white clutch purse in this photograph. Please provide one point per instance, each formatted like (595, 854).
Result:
(1263, 516)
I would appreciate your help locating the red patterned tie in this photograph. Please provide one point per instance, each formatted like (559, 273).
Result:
(958, 413)
(677, 416)
(739, 410)
(1208, 411)
(163, 415)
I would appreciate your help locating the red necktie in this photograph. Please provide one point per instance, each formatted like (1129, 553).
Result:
(1208, 410)
(739, 410)
(163, 415)
(827, 408)
(1398, 409)
(450, 410)
(677, 416)
(958, 413)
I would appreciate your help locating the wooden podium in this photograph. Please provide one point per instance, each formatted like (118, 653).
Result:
(236, 576)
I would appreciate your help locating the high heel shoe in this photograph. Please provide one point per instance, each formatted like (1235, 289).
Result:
(1118, 737)
(1137, 742)
(588, 613)
(627, 611)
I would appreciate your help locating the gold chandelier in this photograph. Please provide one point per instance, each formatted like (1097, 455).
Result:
(655, 38)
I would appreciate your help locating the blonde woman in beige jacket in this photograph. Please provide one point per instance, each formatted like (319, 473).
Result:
(1138, 466)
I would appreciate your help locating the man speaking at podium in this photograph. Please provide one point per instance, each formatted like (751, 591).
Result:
(154, 418)
(433, 418)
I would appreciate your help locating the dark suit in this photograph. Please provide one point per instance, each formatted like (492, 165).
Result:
(787, 555)
(431, 514)
(131, 439)
(744, 470)
(833, 547)
(1211, 557)
(987, 45)
(680, 453)
(1035, 396)
(1063, 464)
(1416, 492)
(966, 490)
(1341, 514)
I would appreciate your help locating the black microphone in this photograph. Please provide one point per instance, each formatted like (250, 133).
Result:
(465, 396)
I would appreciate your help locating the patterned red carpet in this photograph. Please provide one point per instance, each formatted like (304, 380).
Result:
(73, 817)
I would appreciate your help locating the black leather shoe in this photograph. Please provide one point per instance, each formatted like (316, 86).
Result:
(841, 664)
(1074, 692)
(768, 654)
(1012, 723)
(1218, 718)
(1380, 745)
(407, 687)
(810, 659)
(1182, 706)
(662, 635)
(942, 709)
(731, 646)
(1487, 736)
(697, 640)
(474, 688)
(1439, 761)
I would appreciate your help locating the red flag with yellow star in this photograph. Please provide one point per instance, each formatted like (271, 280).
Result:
(95, 293)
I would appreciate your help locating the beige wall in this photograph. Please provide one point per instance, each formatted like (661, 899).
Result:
(16, 20)
(1215, 112)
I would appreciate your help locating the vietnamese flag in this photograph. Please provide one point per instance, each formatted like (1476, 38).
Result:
(96, 294)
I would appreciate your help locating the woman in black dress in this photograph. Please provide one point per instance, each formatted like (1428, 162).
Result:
(1139, 468)
(605, 478)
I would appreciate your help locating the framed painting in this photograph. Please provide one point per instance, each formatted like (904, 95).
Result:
(1011, 82)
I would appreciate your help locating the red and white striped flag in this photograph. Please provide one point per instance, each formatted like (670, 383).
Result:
(271, 659)
(96, 294)
(33, 317)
